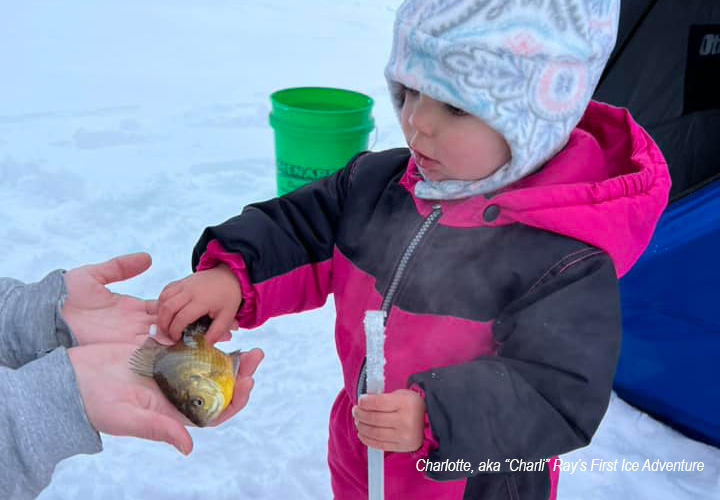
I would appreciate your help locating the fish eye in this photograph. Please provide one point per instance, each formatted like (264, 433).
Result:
(196, 402)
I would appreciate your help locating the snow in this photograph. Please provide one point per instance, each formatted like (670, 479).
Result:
(132, 125)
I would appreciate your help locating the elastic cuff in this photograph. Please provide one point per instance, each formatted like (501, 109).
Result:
(63, 332)
(429, 441)
(215, 254)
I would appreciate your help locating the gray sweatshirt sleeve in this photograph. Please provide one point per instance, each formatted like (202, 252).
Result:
(30, 321)
(43, 422)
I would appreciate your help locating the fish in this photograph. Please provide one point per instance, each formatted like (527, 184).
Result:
(198, 379)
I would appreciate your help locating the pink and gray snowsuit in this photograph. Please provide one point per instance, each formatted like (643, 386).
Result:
(502, 310)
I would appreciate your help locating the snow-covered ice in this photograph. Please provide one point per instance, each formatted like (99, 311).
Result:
(132, 125)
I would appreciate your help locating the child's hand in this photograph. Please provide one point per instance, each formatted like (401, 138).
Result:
(215, 292)
(391, 422)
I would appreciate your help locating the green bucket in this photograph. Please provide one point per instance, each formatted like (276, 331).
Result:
(317, 130)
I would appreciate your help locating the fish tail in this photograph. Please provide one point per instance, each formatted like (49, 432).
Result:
(143, 359)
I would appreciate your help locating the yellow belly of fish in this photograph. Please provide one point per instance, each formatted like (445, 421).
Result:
(224, 376)
(227, 386)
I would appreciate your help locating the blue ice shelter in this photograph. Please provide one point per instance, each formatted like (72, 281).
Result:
(666, 70)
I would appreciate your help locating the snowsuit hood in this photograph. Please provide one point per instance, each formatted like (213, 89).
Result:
(607, 187)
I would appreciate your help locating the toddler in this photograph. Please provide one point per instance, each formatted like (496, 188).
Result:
(493, 243)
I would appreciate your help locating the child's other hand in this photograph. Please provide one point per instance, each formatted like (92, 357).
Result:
(215, 292)
(391, 422)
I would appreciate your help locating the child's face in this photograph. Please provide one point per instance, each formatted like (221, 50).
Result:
(448, 143)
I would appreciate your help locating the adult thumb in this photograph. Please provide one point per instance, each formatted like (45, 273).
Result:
(122, 267)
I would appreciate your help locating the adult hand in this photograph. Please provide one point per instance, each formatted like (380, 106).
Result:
(95, 314)
(122, 403)
(392, 421)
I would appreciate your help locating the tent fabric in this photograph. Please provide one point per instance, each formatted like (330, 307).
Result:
(670, 357)
(665, 69)
(647, 73)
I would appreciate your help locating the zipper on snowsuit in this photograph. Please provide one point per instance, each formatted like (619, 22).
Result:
(398, 275)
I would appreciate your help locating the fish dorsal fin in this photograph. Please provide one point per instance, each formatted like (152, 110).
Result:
(191, 339)
(142, 360)
(193, 335)
(235, 355)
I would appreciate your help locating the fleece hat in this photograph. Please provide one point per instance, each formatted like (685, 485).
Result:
(527, 68)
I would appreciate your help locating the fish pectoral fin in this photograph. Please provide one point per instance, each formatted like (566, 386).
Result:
(235, 355)
(143, 359)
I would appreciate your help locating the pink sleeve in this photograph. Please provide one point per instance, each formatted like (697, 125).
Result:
(214, 255)
(299, 289)
(429, 441)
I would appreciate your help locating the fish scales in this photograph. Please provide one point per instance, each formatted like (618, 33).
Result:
(198, 379)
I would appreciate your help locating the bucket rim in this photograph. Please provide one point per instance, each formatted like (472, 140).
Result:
(287, 107)
(278, 123)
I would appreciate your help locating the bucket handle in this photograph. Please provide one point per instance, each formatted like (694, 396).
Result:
(370, 148)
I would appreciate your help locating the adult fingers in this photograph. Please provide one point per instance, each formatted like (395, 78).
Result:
(239, 400)
(140, 339)
(244, 383)
(249, 362)
(151, 307)
(143, 312)
(158, 336)
(148, 424)
(121, 268)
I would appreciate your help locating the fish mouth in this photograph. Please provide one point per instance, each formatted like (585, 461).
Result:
(214, 411)
(205, 416)
(196, 419)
